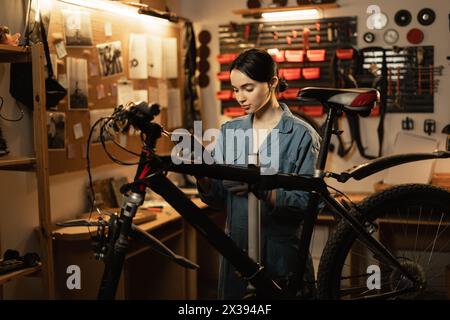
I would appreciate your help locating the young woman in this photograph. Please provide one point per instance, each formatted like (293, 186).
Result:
(254, 78)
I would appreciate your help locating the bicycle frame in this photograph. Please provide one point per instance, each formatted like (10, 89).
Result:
(149, 174)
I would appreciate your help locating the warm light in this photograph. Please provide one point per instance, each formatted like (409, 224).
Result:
(292, 15)
(115, 8)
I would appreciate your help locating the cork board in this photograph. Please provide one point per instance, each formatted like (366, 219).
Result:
(72, 158)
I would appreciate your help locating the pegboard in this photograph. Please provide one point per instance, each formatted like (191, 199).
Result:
(410, 74)
(121, 27)
(300, 66)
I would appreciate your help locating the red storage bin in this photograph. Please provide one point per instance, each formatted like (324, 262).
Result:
(224, 95)
(294, 55)
(290, 93)
(344, 54)
(233, 111)
(316, 55)
(223, 75)
(311, 73)
(226, 58)
(291, 73)
(279, 57)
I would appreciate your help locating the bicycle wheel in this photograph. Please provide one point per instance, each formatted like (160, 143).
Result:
(412, 221)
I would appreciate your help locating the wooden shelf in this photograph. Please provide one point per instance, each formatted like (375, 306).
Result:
(249, 12)
(4, 278)
(17, 163)
(14, 54)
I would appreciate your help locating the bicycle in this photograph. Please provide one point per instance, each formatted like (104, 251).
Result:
(343, 270)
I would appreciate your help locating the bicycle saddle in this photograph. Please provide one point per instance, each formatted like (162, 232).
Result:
(355, 100)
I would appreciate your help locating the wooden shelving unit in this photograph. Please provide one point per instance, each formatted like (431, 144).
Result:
(256, 11)
(37, 163)
(4, 278)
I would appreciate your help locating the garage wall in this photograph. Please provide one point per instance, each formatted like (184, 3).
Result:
(208, 15)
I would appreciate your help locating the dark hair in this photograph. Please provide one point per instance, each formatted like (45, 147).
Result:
(258, 65)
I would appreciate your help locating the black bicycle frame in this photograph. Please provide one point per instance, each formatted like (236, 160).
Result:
(150, 174)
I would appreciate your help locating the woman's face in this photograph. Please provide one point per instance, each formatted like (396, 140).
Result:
(251, 95)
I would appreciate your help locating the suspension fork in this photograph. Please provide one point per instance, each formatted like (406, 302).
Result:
(121, 229)
(374, 245)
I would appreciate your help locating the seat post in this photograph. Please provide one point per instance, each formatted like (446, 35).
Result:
(328, 131)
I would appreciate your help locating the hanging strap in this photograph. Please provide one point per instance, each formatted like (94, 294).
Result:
(46, 49)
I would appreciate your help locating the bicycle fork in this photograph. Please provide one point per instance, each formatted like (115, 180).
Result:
(118, 246)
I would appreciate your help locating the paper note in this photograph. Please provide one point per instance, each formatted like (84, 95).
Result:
(100, 91)
(162, 94)
(108, 29)
(155, 57)
(174, 109)
(125, 93)
(170, 54)
(70, 151)
(137, 64)
(60, 49)
(78, 131)
(141, 95)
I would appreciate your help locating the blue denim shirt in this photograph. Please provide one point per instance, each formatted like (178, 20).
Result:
(298, 145)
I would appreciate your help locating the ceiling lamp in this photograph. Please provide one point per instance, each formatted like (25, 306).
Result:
(304, 14)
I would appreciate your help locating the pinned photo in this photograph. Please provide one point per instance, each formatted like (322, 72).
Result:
(110, 58)
(77, 28)
(56, 130)
(78, 83)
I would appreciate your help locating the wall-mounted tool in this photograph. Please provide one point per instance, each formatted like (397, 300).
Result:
(403, 18)
(415, 36)
(426, 16)
(407, 124)
(446, 131)
(390, 36)
(369, 37)
(429, 126)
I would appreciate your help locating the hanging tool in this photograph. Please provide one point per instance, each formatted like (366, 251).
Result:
(389, 89)
(397, 90)
(419, 59)
(330, 32)
(429, 126)
(305, 38)
(294, 33)
(258, 36)
(318, 33)
(288, 39)
(407, 124)
(431, 78)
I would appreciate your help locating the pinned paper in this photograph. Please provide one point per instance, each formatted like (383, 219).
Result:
(141, 95)
(93, 69)
(70, 151)
(125, 93)
(162, 94)
(60, 49)
(170, 54)
(108, 29)
(138, 57)
(155, 57)
(100, 91)
(78, 131)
